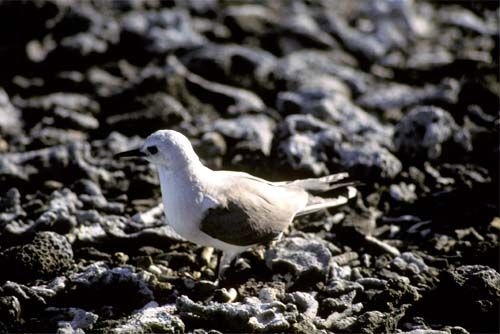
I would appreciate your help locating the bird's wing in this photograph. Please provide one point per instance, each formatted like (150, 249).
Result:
(251, 211)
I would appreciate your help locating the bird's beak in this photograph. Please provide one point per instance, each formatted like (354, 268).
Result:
(136, 153)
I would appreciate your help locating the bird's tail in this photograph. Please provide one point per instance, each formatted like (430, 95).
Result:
(321, 184)
(336, 187)
(319, 203)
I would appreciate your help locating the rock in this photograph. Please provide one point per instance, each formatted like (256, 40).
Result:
(305, 302)
(47, 255)
(159, 32)
(250, 315)
(155, 111)
(298, 152)
(82, 44)
(64, 100)
(334, 108)
(60, 216)
(339, 287)
(304, 65)
(10, 309)
(403, 192)
(466, 20)
(368, 160)
(311, 146)
(225, 296)
(76, 318)
(120, 287)
(375, 322)
(151, 318)
(353, 40)
(397, 96)
(10, 116)
(414, 267)
(65, 328)
(75, 120)
(65, 163)
(425, 331)
(301, 29)
(426, 133)
(304, 258)
(233, 64)
(295, 141)
(468, 294)
(398, 292)
(249, 19)
(10, 207)
(227, 100)
(252, 133)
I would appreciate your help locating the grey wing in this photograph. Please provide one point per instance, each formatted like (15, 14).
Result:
(252, 212)
(235, 226)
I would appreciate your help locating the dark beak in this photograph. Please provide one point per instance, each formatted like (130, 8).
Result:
(136, 153)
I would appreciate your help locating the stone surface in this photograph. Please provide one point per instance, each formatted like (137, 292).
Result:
(301, 257)
(425, 132)
(152, 318)
(47, 255)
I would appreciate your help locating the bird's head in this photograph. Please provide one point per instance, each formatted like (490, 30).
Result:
(166, 148)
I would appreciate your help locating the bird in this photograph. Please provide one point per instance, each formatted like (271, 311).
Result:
(231, 211)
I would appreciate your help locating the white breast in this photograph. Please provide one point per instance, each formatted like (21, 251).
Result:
(180, 201)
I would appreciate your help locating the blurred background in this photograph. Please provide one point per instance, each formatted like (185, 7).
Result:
(403, 95)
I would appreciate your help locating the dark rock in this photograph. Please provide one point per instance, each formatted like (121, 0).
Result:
(69, 101)
(354, 40)
(233, 64)
(375, 322)
(305, 302)
(151, 318)
(334, 108)
(10, 309)
(397, 294)
(295, 143)
(10, 117)
(155, 111)
(367, 160)
(250, 315)
(46, 256)
(252, 133)
(10, 206)
(309, 145)
(468, 295)
(250, 19)
(159, 32)
(46, 136)
(399, 96)
(226, 100)
(120, 287)
(426, 132)
(302, 66)
(467, 20)
(403, 192)
(72, 318)
(60, 216)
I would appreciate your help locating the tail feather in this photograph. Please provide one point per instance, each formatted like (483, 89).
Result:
(319, 203)
(321, 184)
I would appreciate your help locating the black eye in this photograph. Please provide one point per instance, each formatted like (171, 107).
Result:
(152, 149)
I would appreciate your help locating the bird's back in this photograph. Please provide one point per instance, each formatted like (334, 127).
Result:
(249, 210)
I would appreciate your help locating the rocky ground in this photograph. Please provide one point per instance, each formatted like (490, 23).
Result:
(402, 94)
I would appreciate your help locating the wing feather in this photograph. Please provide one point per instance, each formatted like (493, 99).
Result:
(251, 212)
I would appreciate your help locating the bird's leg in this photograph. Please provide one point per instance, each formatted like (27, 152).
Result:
(225, 262)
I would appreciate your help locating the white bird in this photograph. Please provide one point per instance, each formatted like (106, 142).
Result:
(227, 210)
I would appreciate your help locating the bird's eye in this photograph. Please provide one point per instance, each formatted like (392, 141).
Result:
(152, 149)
